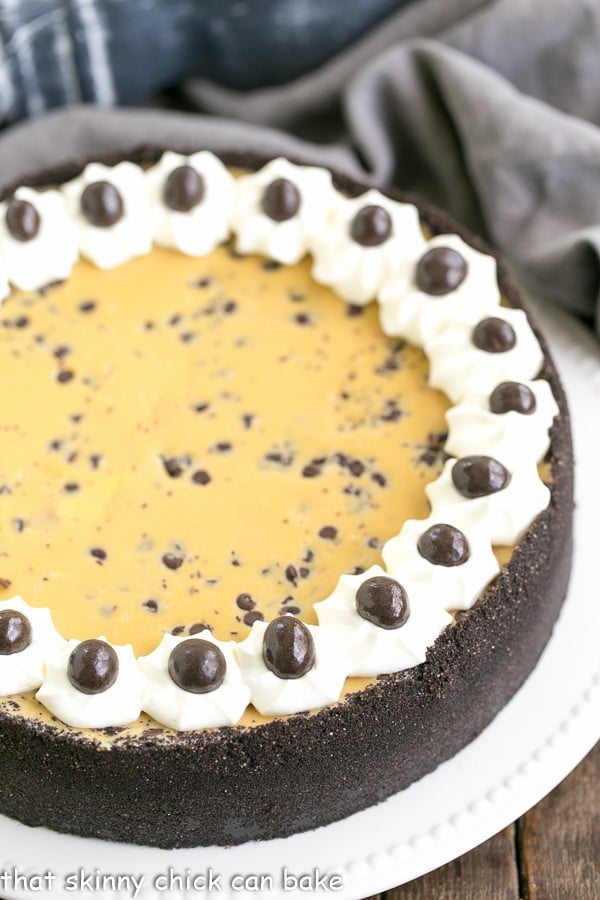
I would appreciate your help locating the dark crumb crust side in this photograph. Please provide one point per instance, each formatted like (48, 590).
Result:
(230, 785)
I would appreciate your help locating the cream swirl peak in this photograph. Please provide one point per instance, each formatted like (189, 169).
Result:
(38, 242)
(363, 242)
(190, 201)
(280, 210)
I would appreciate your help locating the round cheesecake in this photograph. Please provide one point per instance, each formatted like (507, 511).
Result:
(212, 452)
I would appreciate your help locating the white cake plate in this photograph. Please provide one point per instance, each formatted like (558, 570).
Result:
(537, 739)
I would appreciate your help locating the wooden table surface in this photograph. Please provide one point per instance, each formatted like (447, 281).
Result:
(551, 853)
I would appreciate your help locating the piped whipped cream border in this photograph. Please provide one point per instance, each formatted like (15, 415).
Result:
(346, 644)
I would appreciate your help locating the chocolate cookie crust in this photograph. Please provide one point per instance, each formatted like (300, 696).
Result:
(230, 785)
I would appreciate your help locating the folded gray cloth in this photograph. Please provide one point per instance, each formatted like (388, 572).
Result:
(490, 108)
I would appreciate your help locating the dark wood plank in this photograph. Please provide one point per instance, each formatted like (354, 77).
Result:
(559, 839)
(489, 872)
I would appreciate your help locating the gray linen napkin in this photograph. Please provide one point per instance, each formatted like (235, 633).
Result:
(490, 108)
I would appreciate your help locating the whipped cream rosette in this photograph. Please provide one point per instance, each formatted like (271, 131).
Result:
(38, 241)
(448, 279)
(382, 641)
(190, 199)
(365, 240)
(110, 210)
(27, 638)
(280, 209)
(191, 685)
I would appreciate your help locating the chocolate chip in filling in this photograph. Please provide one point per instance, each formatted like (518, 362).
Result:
(288, 648)
(494, 335)
(22, 220)
(93, 667)
(440, 271)
(197, 666)
(15, 632)
(102, 204)
(444, 545)
(281, 200)
(184, 189)
(512, 396)
(479, 476)
(371, 226)
(383, 601)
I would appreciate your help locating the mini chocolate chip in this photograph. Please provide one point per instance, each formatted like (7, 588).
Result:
(328, 532)
(371, 226)
(311, 471)
(184, 189)
(5, 583)
(444, 545)
(175, 465)
(252, 616)
(93, 667)
(294, 610)
(288, 648)
(22, 220)
(382, 601)
(353, 310)
(281, 200)
(15, 632)
(201, 477)
(21, 322)
(172, 560)
(65, 375)
(440, 271)
(197, 666)
(245, 601)
(70, 487)
(102, 204)
(479, 476)
(512, 396)
(98, 553)
(151, 605)
(494, 335)
(356, 467)
(291, 574)
(87, 306)
(302, 318)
